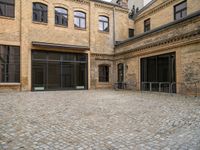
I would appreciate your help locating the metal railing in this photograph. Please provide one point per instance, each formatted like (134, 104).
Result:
(183, 88)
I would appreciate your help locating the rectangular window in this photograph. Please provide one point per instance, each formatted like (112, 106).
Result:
(158, 73)
(9, 64)
(131, 33)
(58, 71)
(180, 10)
(147, 25)
(7, 8)
(103, 73)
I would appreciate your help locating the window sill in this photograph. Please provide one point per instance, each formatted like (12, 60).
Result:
(10, 84)
(9, 18)
(105, 83)
(82, 29)
(40, 23)
(104, 32)
(60, 26)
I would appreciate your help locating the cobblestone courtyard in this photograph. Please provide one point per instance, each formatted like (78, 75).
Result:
(99, 120)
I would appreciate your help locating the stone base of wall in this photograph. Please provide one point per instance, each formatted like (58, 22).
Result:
(6, 87)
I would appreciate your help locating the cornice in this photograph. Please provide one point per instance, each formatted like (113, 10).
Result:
(100, 54)
(192, 18)
(183, 39)
(86, 2)
(154, 10)
(122, 10)
(99, 5)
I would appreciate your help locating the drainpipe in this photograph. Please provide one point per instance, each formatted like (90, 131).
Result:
(114, 27)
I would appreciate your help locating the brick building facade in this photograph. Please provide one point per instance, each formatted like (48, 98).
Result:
(87, 44)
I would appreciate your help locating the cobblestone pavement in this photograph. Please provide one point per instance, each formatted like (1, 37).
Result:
(99, 120)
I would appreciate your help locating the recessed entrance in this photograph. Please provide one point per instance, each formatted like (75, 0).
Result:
(59, 71)
(158, 73)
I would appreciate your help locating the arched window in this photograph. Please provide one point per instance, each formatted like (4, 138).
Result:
(79, 19)
(61, 16)
(7, 8)
(103, 73)
(40, 12)
(103, 23)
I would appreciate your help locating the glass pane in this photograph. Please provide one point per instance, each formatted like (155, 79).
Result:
(61, 10)
(102, 18)
(106, 27)
(10, 10)
(79, 14)
(181, 6)
(68, 75)
(76, 22)
(82, 25)
(178, 16)
(101, 26)
(81, 58)
(54, 75)
(69, 57)
(40, 55)
(2, 10)
(39, 74)
(64, 20)
(184, 13)
(54, 56)
(81, 74)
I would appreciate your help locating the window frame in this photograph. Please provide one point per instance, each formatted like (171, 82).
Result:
(130, 35)
(180, 11)
(104, 22)
(80, 18)
(7, 64)
(5, 5)
(41, 13)
(104, 72)
(147, 27)
(62, 16)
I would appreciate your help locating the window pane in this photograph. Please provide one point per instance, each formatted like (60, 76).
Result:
(61, 10)
(181, 6)
(184, 13)
(178, 16)
(40, 12)
(9, 64)
(76, 22)
(105, 27)
(10, 10)
(103, 73)
(82, 25)
(101, 26)
(79, 14)
(2, 10)
(102, 18)
(40, 55)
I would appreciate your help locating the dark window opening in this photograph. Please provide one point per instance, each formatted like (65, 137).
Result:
(9, 64)
(61, 16)
(7, 8)
(147, 25)
(180, 10)
(158, 73)
(131, 33)
(120, 72)
(103, 23)
(103, 73)
(80, 19)
(58, 71)
(40, 12)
